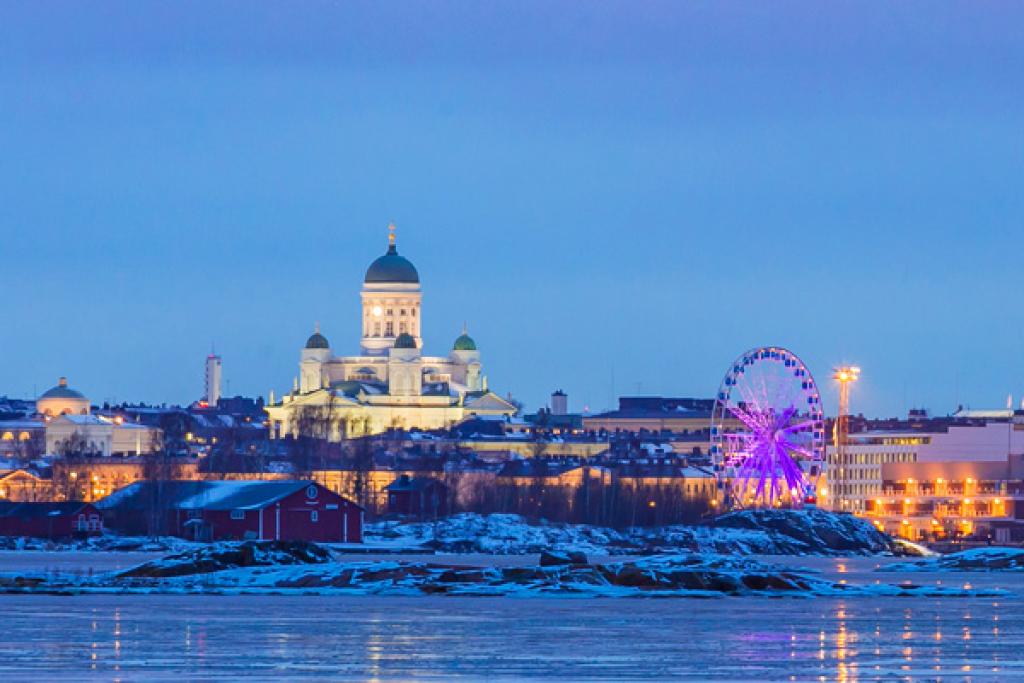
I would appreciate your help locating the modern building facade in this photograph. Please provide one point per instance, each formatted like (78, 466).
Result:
(950, 500)
(854, 484)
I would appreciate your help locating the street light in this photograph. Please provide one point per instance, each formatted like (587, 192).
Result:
(845, 375)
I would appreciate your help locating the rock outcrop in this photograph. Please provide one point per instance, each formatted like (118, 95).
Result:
(221, 556)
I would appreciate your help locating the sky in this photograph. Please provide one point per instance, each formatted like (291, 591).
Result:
(616, 197)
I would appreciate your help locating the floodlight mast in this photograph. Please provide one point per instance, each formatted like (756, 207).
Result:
(845, 375)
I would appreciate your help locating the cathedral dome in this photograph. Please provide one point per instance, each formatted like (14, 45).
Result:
(62, 390)
(61, 400)
(405, 341)
(391, 267)
(317, 341)
(464, 343)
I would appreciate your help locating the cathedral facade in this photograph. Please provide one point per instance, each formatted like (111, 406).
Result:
(390, 384)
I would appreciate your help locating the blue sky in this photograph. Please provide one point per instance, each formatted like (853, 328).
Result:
(617, 197)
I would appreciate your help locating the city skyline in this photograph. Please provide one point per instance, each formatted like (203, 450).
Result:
(627, 215)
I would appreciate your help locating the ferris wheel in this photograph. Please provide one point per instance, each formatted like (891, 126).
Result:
(767, 429)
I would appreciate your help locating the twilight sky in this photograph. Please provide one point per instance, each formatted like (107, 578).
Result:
(619, 198)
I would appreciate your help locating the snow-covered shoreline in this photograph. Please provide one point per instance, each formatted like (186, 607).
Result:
(993, 559)
(754, 532)
(272, 568)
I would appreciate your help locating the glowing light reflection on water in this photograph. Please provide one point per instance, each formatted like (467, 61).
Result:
(222, 638)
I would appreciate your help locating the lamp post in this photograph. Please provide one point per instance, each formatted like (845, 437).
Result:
(845, 375)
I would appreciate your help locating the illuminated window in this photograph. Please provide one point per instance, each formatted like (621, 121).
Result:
(238, 514)
(314, 516)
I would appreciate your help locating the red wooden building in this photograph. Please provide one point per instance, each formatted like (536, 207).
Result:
(50, 520)
(421, 497)
(227, 510)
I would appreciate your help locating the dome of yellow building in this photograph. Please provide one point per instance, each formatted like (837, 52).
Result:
(62, 400)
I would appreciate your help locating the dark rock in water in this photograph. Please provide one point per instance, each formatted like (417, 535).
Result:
(555, 558)
(634, 577)
(765, 582)
(993, 558)
(812, 530)
(220, 556)
(522, 574)
(463, 576)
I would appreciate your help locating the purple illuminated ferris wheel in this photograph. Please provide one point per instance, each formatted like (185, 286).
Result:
(767, 430)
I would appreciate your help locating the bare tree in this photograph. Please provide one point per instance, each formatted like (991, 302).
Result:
(161, 465)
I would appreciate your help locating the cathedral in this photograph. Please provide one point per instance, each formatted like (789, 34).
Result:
(391, 383)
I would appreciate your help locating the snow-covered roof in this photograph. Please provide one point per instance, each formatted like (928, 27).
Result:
(206, 495)
(84, 420)
(12, 425)
(239, 495)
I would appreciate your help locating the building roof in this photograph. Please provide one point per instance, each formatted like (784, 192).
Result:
(23, 510)
(391, 267)
(206, 495)
(480, 426)
(659, 408)
(407, 483)
(536, 467)
(405, 341)
(349, 387)
(654, 469)
(62, 390)
(464, 343)
(84, 420)
(317, 341)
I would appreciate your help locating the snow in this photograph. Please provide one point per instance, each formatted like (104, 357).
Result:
(975, 560)
(280, 570)
(776, 533)
(106, 543)
(216, 493)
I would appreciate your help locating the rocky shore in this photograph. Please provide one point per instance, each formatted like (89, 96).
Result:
(750, 532)
(301, 568)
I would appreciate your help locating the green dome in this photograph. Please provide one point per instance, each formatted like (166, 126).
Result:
(62, 391)
(317, 341)
(465, 343)
(405, 341)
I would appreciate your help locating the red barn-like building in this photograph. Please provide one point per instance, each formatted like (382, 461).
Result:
(421, 497)
(227, 510)
(50, 520)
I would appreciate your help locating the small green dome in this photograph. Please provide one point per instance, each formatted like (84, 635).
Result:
(465, 343)
(405, 341)
(317, 341)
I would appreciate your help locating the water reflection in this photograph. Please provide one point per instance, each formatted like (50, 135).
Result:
(227, 638)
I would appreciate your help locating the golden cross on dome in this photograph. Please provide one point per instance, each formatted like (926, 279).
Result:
(391, 234)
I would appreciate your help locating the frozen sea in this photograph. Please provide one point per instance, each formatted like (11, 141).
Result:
(222, 638)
